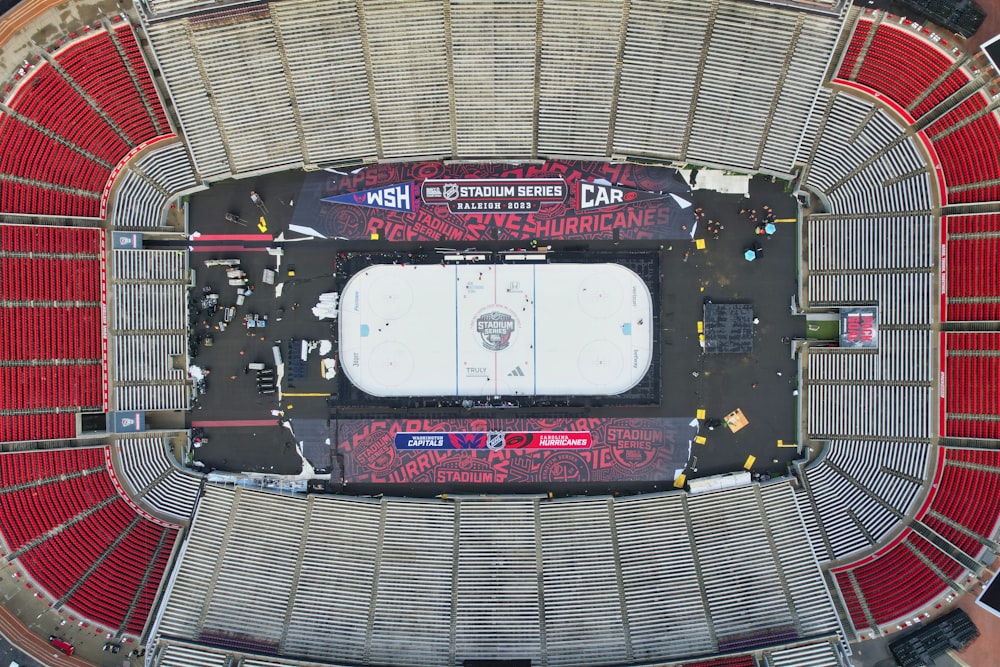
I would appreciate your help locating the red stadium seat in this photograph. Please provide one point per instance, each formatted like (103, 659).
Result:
(127, 114)
(880, 67)
(63, 486)
(895, 582)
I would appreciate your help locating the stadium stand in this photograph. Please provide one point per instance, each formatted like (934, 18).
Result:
(414, 120)
(324, 44)
(904, 357)
(971, 380)
(738, 614)
(510, 55)
(476, 543)
(51, 359)
(149, 183)
(934, 70)
(656, 553)
(863, 162)
(681, 25)
(154, 478)
(858, 421)
(651, 563)
(86, 105)
(387, 117)
(33, 100)
(861, 490)
(261, 624)
(176, 59)
(345, 571)
(971, 281)
(871, 243)
(84, 544)
(898, 581)
(784, 524)
(813, 654)
(149, 323)
(857, 256)
(243, 102)
(32, 183)
(898, 374)
(966, 139)
(964, 505)
(181, 655)
(119, 85)
(735, 661)
(577, 544)
(44, 426)
(971, 406)
(425, 581)
(786, 48)
(384, 575)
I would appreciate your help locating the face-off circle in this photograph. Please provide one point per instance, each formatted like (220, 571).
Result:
(599, 299)
(601, 362)
(390, 297)
(391, 363)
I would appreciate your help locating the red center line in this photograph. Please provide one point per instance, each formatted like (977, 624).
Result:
(234, 423)
(225, 248)
(232, 237)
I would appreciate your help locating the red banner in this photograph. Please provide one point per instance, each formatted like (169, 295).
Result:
(620, 450)
(517, 202)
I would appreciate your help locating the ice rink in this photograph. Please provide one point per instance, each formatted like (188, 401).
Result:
(495, 330)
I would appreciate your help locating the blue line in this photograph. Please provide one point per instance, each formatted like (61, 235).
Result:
(456, 330)
(534, 330)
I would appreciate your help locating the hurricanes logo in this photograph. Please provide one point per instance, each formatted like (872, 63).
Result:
(495, 329)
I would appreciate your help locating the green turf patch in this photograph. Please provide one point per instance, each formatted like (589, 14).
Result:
(822, 329)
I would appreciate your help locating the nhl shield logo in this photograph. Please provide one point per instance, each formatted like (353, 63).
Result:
(495, 329)
(495, 440)
(450, 191)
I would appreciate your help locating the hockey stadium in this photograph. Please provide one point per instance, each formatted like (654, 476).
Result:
(499, 333)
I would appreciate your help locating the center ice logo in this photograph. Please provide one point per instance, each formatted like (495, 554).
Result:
(495, 329)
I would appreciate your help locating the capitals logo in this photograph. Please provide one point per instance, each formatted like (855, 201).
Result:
(495, 329)
(395, 197)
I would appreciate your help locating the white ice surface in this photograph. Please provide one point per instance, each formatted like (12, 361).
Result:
(577, 329)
